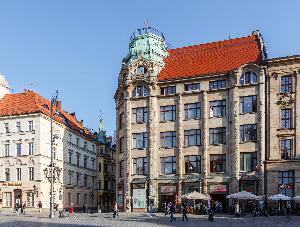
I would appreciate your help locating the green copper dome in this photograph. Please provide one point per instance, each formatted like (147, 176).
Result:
(148, 44)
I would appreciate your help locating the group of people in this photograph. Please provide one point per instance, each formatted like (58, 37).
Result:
(20, 208)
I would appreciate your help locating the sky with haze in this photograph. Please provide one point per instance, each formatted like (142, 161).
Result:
(76, 46)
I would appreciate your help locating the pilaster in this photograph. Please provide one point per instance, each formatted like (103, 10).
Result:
(180, 142)
(205, 134)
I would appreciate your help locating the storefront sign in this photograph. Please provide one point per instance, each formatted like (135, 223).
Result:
(11, 184)
(168, 189)
(139, 198)
(218, 188)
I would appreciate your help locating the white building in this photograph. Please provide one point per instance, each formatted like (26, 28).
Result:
(25, 152)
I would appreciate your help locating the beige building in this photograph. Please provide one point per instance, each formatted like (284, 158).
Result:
(189, 119)
(25, 153)
(283, 119)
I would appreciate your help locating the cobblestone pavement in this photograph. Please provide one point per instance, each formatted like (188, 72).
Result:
(141, 220)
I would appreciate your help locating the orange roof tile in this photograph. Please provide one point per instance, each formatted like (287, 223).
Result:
(30, 102)
(211, 58)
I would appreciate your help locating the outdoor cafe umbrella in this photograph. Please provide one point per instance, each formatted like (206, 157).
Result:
(279, 197)
(297, 198)
(242, 195)
(196, 195)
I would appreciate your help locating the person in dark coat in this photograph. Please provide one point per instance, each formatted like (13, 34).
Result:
(184, 212)
(172, 212)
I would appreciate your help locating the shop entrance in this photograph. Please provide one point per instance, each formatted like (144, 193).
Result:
(18, 196)
(220, 198)
(164, 200)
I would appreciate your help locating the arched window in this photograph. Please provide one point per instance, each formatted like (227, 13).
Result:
(141, 70)
(248, 78)
(140, 91)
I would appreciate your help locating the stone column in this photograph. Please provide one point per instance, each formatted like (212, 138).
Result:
(233, 138)
(127, 178)
(261, 126)
(153, 162)
(205, 133)
(180, 141)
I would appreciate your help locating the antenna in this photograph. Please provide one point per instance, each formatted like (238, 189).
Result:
(145, 23)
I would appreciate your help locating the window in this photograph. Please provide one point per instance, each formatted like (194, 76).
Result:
(192, 164)
(248, 133)
(167, 113)
(19, 175)
(217, 136)
(286, 84)
(6, 126)
(192, 87)
(99, 184)
(192, 137)
(8, 199)
(19, 149)
(286, 183)
(93, 147)
(168, 90)
(30, 126)
(78, 198)
(248, 104)
(7, 174)
(122, 120)
(139, 140)
(217, 108)
(85, 180)
(192, 111)
(77, 158)
(77, 141)
(122, 168)
(286, 149)
(6, 150)
(139, 166)
(85, 145)
(18, 126)
(140, 91)
(217, 84)
(31, 173)
(248, 161)
(167, 139)
(70, 157)
(168, 165)
(140, 115)
(77, 179)
(100, 167)
(30, 148)
(122, 144)
(85, 160)
(85, 199)
(217, 163)
(286, 118)
(70, 178)
(248, 78)
(30, 199)
(140, 70)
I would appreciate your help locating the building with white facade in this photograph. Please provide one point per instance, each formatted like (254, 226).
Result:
(25, 150)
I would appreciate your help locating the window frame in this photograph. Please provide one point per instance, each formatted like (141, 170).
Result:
(164, 161)
(166, 135)
(243, 161)
(140, 91)
(220, 105)
(244, 137)
(135, 169)
(192, 134)
(212, 160)
(286, 118)
(136, 137)
(168, 90)
(248, 78)
(217, 84)
(166, 111)
(144, 113)
(253, 103)
(192, 108)
(286, 151)
(192, 87)
(286, 84)
(220, 132)
(187, 164)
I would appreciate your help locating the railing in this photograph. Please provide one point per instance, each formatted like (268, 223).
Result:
(147, 30)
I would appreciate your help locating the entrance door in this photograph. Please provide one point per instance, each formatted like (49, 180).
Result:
(18, 196)
(164, 200)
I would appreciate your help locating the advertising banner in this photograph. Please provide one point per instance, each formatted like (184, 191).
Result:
(139, 198)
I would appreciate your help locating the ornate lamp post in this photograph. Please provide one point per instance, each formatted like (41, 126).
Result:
(52, 172)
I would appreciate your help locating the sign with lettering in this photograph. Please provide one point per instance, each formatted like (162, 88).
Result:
(218, 188)
(11, 184)
(168, 189)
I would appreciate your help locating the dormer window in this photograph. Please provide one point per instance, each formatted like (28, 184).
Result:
(192, 87)
(140, 91)
(248, 78)
(140, 70)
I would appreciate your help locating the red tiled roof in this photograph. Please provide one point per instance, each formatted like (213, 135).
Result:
(211, 58)
(30, 102)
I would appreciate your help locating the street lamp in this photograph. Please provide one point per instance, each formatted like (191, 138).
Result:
(52, 172)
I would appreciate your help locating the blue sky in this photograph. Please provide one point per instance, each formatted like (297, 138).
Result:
(76, 46)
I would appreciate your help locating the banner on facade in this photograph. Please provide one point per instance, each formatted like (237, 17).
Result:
(218, 188)
(168, 189)
(120, 199)
(139, 198)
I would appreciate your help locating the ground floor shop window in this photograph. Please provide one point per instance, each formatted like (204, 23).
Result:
(286, 183)
(30, 199)
(7, 199)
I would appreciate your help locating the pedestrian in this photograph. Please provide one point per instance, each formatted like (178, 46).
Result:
(184, 211)
(71, 210)
(23, 208)
(17, 208)
(55, 207)
(172, 212)
(288, 209)
(115, 210)
(40, 206)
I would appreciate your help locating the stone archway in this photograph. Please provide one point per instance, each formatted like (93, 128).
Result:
(17, 196)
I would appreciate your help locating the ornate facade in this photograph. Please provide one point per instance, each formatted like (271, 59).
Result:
(189, 119)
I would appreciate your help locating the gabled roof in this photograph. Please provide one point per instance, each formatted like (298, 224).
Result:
(30, 102)
(211, 58)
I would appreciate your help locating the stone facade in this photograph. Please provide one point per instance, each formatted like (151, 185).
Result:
(155, 184)
(283, 118)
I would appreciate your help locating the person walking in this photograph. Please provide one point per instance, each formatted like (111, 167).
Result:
(40, 206)
(184, 211)
(23, 208)
(17, 208)
(71, 210)
(288, 208)
(115, 210)
(172, 212)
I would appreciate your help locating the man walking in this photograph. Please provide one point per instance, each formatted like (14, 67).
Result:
(40, 206)
(115, 210)
(184, 211)
(172, 212)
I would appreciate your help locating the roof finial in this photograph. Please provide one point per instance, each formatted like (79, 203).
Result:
(145, 23)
